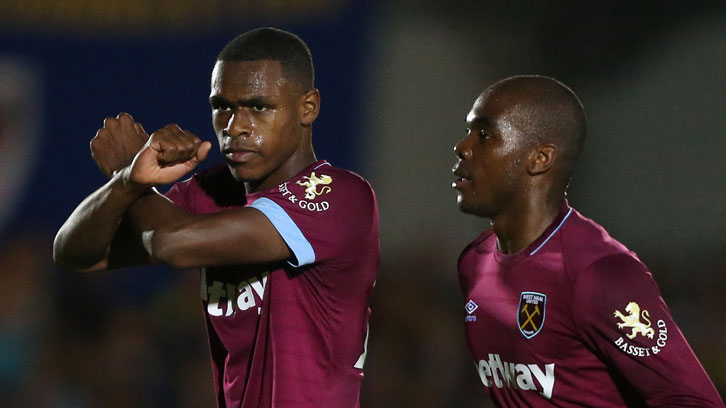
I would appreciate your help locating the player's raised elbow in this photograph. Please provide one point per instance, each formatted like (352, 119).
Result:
(65, 257)
(60, 256)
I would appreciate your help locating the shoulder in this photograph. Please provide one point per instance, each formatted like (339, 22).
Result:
(323, 196)
(587, 246)
(336, 178)
(477, 245)
(333, 210)
(480, 247)
(613, 273)
(605, 274)
(329, 189)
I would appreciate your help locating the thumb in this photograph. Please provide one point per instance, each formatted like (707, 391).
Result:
(203, 151)
(141, 132)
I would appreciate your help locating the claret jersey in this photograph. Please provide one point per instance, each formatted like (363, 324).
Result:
(292, 334)
(575, 320)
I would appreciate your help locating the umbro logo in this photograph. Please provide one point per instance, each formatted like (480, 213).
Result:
(470, 307)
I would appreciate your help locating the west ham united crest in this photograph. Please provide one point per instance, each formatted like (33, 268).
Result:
(531, 313)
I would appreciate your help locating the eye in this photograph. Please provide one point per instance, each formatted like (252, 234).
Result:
(259, 108)
(220, 107)
(480, 132)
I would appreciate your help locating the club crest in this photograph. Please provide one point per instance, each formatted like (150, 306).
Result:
(531, 313)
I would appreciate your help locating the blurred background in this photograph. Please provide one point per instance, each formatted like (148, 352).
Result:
(397, 79)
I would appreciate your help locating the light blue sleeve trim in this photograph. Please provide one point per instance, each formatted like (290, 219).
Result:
(289, 231)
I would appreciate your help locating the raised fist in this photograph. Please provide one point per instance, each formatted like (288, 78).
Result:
(169, 154)
(117, 142)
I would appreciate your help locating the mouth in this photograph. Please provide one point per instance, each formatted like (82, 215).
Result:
(462, 178)
(460, 183)
(237, 157)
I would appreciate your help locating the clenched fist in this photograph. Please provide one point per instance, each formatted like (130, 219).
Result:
(169, 154)
(117, 142)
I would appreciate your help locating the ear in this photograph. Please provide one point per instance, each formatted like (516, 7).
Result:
(542, 158)
(310, 107)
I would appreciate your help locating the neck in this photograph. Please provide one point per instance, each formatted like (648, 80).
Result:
(522, 224)
(293, 165)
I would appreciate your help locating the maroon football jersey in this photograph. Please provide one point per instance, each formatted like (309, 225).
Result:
(575, 319)
(292, 334)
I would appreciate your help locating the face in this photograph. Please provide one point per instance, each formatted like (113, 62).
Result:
(490, 166)
(258, 117)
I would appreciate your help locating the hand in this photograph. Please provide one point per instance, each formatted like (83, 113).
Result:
(169, 154)
(117, 142)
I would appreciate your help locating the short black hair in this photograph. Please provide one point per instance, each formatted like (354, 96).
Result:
(549, 112)
(269, 43)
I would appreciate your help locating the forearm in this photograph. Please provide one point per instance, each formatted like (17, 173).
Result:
(184, 243)
(229, 237)
(84, 239)
(91, 238)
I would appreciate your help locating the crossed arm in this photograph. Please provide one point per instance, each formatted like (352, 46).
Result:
(126, 222)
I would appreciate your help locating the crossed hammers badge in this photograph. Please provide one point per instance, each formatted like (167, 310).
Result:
(531, 313)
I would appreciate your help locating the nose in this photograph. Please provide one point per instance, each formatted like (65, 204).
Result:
(239, 124)
(462, 149)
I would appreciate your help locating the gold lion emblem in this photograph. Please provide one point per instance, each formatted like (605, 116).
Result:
(312, 183)
(632, 320)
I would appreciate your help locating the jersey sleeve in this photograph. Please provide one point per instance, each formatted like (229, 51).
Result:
(326, 216)
(622, 316)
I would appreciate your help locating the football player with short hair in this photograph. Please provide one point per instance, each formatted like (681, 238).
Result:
(557, 312)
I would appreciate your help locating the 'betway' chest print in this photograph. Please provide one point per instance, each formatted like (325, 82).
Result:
(227, 298)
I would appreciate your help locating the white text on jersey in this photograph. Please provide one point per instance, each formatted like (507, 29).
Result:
(516, 375)
(238, 297)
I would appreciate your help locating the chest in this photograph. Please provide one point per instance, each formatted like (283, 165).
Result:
(521, 310)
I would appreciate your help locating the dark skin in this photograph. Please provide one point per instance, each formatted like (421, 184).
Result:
(264, 126)
(125, 148)
(505, 174)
